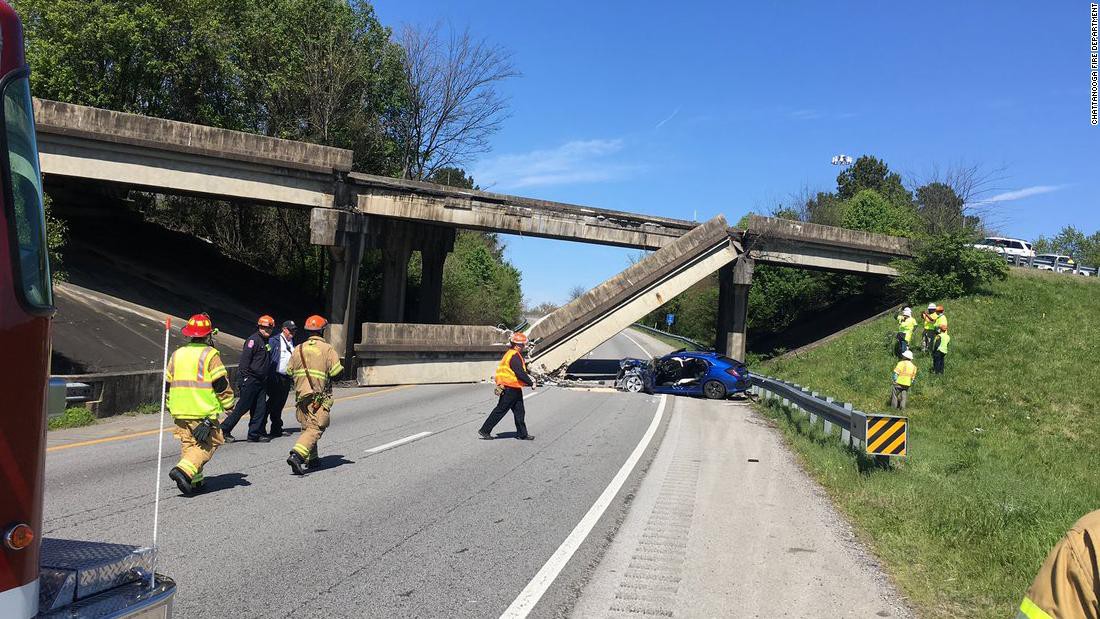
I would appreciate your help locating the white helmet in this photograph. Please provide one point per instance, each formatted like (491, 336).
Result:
(931, 306)
(907, 312)
(907, 355)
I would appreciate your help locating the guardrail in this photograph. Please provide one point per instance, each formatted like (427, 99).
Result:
(1048, 264)
(889, 433)
(681, 338)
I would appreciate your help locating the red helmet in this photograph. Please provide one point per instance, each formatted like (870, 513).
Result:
(265, 321)
(519, 337)
(315, 323)
(198, 326)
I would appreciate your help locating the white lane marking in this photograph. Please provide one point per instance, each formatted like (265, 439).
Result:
(398, 442)
(535, 589)
(647, 353)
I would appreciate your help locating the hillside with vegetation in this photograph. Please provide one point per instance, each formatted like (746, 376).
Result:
(1002, 449)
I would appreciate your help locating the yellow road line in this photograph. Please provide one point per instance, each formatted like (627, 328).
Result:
(121, 437)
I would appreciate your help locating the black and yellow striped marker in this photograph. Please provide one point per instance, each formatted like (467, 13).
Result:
(886, 435)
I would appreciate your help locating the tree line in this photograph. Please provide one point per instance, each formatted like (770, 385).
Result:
(409, 104)
(942, 216)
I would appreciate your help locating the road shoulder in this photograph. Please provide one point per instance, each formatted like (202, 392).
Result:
(726, 523)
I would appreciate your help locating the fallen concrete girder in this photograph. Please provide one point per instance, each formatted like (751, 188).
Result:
(588, 321)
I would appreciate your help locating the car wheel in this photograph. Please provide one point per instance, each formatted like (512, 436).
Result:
(633, 383)
(714, 390)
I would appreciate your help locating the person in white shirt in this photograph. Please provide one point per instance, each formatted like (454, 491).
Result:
(278, 381)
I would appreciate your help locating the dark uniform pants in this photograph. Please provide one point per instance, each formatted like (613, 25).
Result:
(937, 362)
(511, 399)
(278, 389)
(253, 400)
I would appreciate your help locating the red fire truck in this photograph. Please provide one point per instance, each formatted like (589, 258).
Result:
(43, 577)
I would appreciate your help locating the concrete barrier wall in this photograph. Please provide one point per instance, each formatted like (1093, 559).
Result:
(113, 393)
(418, 337)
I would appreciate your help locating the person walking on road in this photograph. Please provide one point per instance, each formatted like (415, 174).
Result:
(252, 370)
(929, 316)
(511, 377)
(279, 381)
(906, 325)
(198, 391)
(313, 365)
(1068, 583)
(905, 372)
(939, 349)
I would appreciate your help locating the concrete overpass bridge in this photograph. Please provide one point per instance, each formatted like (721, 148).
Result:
(351, 212)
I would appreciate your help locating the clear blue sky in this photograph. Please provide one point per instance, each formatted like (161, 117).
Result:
(695, 109)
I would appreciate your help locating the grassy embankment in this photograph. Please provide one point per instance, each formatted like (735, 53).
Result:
(1003, 449)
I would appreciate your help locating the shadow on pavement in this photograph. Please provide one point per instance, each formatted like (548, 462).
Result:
(224, 481)
(329, 462)
(512, 434)
(594, 369)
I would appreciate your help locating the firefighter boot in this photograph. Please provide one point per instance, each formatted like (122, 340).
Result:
(182, 481)
(297, 464)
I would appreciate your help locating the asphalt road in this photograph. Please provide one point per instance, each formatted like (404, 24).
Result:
(443, 525)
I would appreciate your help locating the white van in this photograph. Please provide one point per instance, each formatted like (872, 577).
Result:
(1006, 246)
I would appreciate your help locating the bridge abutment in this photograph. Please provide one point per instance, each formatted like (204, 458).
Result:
(734, 281)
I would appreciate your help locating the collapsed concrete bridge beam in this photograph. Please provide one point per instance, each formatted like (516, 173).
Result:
(574, 330)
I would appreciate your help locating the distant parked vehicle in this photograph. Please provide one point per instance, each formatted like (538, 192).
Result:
(1007, 246)
(682, 372)
(1057, 263)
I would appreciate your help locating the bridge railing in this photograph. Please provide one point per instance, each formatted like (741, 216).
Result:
(853, 424)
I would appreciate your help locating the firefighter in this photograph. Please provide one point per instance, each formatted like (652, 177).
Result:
(904, 374)
(1067, 585)
(906, 325)
(930, 316)
(313, 365)
(939, 349)
(253, 369)
(511, 377)
(198, 390)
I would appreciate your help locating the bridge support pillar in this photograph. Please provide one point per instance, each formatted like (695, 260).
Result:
(734, 281)
(344, 235)
(438, 241)
(395, 240)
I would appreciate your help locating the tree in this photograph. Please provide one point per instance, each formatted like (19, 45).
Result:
(872, 173)
(870, 211)
(452, 177)
(452, 104)
(577, 292)
(479, 286)
(946, 266)
(1072, 242)
(942, 210)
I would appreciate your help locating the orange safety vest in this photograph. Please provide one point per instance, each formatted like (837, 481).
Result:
(505, 376)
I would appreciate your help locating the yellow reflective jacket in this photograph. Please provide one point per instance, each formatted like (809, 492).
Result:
(905, 372)
(313, 365)
(505, 376)
(1066, 586)
(906, 326)
(930, 320)
(191, 373)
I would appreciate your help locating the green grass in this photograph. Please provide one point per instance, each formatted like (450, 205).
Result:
(148, 408)
(73, 417)
(1004, 449)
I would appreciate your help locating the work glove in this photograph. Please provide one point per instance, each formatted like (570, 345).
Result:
(498, 391)
(202, 432)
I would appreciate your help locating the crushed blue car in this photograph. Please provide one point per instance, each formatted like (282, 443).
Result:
(692, 373)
